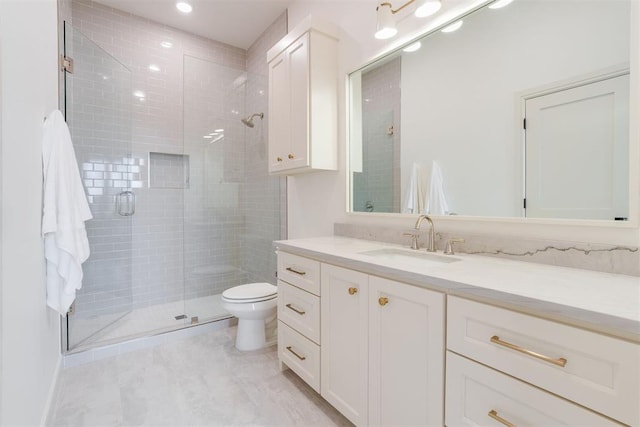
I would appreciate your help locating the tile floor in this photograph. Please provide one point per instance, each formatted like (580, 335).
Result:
(201, 380)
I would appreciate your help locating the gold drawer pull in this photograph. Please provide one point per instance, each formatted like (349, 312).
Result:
(300, 312)
(291, 156)
(296, 354)
(493, 414)
(558, 362)
(293, 270)
(353, 291)
(279, 159)
(383, 301)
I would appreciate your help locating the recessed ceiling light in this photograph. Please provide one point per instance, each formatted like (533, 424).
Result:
(154, 68)
(208, 136)
(453, 27)
(184, 7)
(499, 4)
(219, 130)
(166, 44)
(412, 47)
(139, 94)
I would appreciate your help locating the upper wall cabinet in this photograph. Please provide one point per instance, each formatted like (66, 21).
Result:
(303, 100)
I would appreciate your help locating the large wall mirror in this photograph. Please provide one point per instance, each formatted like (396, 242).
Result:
(521, 112)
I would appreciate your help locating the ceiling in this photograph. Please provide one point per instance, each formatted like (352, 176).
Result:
(235, 22)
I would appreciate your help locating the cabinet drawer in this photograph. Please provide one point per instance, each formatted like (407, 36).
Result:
(599, 372)
(300, 354)
(477, 395)
(299, 271)
(300, 310)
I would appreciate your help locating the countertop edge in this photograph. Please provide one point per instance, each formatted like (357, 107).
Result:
(617, 327)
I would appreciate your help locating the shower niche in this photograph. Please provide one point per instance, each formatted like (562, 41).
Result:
(168, 170)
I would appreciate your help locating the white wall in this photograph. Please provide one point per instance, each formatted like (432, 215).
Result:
(30, 330)
(318, 200)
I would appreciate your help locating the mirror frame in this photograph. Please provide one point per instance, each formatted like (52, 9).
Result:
(459, 220)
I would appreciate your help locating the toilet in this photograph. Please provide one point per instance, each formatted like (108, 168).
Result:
(255, 305)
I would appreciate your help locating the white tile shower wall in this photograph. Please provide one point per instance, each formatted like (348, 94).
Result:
(373, 188)
(263, 200)
(157, 126)
(214, 101)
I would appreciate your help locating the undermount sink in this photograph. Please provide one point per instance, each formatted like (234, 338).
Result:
(416, 257)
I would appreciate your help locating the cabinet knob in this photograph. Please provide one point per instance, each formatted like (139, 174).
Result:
(353, 291)
(291, 156)
(383, 301)
(279, 159)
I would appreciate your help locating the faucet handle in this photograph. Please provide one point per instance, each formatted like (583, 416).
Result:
(449, 249)
(414, 239)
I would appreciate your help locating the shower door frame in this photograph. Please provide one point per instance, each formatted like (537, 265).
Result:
(69, 68)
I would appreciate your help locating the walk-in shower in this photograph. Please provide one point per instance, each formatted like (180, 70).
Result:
(205, 214)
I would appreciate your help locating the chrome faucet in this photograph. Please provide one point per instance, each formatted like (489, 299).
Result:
(431, 245)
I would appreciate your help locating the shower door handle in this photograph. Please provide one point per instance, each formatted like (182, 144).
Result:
(126, 203)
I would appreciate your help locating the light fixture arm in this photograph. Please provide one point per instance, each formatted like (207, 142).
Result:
(394, 11)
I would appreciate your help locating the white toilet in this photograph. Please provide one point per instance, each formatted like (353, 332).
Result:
(255, 305)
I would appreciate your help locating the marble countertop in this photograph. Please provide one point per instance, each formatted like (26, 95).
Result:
(602, 302)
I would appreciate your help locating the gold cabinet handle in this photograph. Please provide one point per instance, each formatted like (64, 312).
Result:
(296, 354)
(279, 159)
(293, 270)
(494, 414)
(291, 156)
(558, 362)
(353, 291)
(383, 301)
(300, 312)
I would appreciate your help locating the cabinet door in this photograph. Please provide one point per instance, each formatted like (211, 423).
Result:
(297, 155)
(279, 111)
(344, 340)
(406, 354)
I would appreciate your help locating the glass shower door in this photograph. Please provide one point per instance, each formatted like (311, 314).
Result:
(98, 102)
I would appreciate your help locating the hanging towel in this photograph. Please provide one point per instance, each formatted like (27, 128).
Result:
(65, 210)
(414, 196)
(436, 201)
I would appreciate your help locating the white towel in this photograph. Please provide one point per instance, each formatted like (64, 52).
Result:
(436, 201)
(65, 209)
(414, 196)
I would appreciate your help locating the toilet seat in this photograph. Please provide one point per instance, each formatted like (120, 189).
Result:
(251, 292)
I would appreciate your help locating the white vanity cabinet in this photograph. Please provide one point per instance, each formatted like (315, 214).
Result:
(382, 352)
(303, 101)
(595, 371)
(406, 354)
(299, 316)
(345, 338)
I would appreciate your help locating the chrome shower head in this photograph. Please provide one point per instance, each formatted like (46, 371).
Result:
(248, 121)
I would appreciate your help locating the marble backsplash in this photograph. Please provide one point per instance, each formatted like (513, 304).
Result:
(587, 256)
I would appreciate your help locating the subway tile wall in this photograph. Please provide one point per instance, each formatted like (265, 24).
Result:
(264, 198)
(215, 230)
(373, 188)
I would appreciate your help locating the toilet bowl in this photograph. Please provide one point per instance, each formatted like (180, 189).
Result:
(255, 305)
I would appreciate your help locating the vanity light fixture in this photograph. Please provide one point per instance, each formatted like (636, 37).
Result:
(427, 8)
(184, 7)
(452, 27)
(386, 25)
(499, 4)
